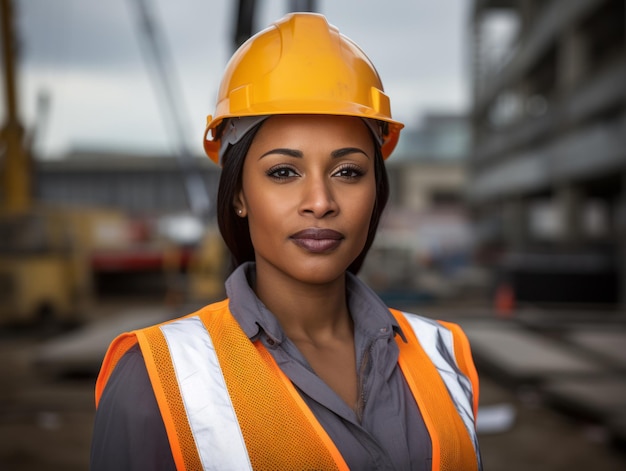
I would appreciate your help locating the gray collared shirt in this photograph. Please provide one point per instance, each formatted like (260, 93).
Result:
(389, 435)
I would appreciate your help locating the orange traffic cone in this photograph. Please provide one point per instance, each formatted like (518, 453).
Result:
(504, 300)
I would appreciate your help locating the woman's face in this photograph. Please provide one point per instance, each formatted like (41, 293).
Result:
(308, 191)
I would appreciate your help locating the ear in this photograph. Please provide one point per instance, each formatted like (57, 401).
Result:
(239, 203)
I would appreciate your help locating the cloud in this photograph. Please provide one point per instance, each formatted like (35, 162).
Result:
(88, 54)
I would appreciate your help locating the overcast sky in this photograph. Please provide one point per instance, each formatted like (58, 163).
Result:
(87, 55)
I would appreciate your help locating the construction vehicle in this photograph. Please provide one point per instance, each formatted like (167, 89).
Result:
(41, 275)
(45, 262)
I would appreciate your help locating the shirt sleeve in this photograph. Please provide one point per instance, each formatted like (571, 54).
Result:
(129, 433)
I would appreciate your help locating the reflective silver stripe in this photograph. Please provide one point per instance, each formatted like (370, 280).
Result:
(209, 409)
(438, 343)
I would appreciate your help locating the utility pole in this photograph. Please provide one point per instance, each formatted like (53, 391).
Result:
(16, 165)
(244, 22)
(303, 5)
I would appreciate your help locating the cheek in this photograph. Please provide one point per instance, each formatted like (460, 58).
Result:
(265, 211)
(369, 198)
(361, 208)
(264, 203)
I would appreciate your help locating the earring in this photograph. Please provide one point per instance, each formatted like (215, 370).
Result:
(239, 211)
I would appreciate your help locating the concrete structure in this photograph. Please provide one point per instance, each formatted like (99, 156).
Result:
(140, 184)
(548, 165)
(427, 168)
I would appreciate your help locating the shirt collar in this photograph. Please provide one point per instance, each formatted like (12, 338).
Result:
(369, 314)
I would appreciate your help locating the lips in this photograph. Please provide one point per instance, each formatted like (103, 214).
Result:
(317, 240)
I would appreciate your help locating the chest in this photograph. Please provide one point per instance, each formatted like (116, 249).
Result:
(335, 365)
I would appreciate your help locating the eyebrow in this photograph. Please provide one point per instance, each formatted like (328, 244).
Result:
(347, 151)
(298, 154)
(282, 151)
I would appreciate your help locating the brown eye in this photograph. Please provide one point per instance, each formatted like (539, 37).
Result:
(350, 172)
(281, 172)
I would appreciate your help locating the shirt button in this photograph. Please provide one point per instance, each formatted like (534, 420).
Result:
(270, 342)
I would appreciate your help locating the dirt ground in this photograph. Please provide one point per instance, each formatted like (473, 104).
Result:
(46, 424)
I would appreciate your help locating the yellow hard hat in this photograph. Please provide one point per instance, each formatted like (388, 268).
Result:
(301, 65)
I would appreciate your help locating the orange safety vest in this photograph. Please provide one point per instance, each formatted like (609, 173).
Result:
(226, 404)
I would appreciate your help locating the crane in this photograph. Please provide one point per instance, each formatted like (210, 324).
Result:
(157, 56)
(16, 169)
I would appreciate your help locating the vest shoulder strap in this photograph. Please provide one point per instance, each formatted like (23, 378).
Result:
(444, 393)
(115, 352)
(464, 359)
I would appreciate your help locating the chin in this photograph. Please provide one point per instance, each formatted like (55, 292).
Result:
(314, 269)
(321, 272)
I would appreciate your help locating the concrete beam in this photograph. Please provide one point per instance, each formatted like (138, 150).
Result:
(597, 149)
(558, 15)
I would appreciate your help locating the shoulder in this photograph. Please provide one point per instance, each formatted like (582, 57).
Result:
(421, 324)
(436, 336)
(214, 310)
(448, 348)
(128, 429)
(128, 388)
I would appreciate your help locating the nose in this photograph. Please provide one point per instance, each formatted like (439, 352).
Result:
(317, 198)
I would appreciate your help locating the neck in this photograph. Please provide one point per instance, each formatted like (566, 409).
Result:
(309, 312)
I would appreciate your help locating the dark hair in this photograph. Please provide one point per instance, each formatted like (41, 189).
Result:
(235, 230)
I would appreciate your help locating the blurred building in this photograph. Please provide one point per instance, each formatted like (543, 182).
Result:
(428, 165)
(136, 184)
(425, 229)
(548, 164)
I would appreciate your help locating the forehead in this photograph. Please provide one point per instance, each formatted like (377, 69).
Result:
(297, 130)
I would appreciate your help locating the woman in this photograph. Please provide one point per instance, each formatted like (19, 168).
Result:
(302, 367)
